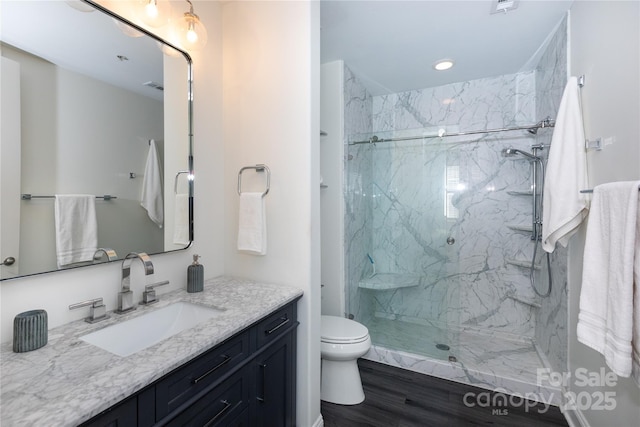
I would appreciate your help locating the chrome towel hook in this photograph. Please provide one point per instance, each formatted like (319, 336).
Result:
(257, 168)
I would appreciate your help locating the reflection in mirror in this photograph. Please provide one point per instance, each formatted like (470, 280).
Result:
(95, 145)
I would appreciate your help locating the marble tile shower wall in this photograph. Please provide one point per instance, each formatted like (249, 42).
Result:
(422, 193)
(551, 326)
(357, 167)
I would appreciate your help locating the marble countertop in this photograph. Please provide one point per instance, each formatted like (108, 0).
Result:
(68, 381)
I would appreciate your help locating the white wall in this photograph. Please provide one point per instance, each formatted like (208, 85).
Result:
(605, 47)
(271, 116)
(331, 197)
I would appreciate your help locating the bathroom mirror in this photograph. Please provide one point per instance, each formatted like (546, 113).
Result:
(85, 96)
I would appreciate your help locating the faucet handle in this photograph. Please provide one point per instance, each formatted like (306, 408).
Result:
(98, 310)
(149, 294)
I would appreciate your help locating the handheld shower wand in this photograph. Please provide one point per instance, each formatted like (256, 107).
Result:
(536, 232)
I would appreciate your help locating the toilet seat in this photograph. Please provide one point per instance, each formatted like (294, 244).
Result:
(338, 330)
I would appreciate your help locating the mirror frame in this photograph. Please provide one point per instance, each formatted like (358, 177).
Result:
(190, 182)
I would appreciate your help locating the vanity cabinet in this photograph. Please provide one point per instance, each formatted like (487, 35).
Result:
(248, 380)
(273, 371)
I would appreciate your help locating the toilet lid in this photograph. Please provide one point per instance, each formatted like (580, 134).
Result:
(339, 329)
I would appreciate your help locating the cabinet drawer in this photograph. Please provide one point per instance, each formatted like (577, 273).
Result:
(121, 415)
(220, 407)
(241, 420)
(275, 325)
(184, 383)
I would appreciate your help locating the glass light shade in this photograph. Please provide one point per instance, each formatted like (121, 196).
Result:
(78, 5)
(192, 34)
(154, 13)
(168, 50)
(126, 29)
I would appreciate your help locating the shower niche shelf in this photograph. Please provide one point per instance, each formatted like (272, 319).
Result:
(524, 300)
(525, 228)
(522, 263)
(387, 281)
(520, 193)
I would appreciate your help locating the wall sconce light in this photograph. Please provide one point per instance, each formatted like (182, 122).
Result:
(154, 13)
(193, 35)
(127, 30)
(78, 5)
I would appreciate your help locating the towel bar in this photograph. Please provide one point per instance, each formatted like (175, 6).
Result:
(258, 168)
(591, 191)
(26, 196)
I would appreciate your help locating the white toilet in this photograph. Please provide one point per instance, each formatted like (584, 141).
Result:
(343, 342)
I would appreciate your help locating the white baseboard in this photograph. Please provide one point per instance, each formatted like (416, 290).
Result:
(319, 422)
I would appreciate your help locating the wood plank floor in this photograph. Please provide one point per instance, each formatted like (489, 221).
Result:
(400, 398)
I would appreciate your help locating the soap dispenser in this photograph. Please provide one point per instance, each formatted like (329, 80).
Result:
(195, 276)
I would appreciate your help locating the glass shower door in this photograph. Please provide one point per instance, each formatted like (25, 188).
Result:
(402, 266)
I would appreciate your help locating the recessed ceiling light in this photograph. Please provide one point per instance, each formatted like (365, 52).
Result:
(443, 64)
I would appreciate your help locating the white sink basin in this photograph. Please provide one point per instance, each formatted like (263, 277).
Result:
(133, 335)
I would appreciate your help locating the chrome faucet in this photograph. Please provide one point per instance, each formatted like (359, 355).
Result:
(98, 310)
(125, 296)
(110, 254)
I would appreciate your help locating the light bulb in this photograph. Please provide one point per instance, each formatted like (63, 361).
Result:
(151, 9)
(154, 13)
(443, 64)
(193, 35)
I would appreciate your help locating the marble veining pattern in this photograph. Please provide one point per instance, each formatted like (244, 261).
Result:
(357, 167)
(423, 193)
(404, 201)
(68, 381)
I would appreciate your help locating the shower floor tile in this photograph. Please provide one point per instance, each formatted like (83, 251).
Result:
(411, 337)
(485, 360)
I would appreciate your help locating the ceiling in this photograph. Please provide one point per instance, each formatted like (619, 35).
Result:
(84, 42)
(392, 45)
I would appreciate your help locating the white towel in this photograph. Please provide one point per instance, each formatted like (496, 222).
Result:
(181, 220)
(151, 198)
(564, 206)
(607, 316)
(252, 224)
(76, 228)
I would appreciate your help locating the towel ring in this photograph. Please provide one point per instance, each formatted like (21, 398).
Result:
(175, 181)
(258, 168)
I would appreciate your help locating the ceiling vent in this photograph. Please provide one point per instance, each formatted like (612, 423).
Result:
(502, 6)
(154, 85)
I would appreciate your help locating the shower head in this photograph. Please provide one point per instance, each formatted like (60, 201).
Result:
(510, 152)
(541, 124)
